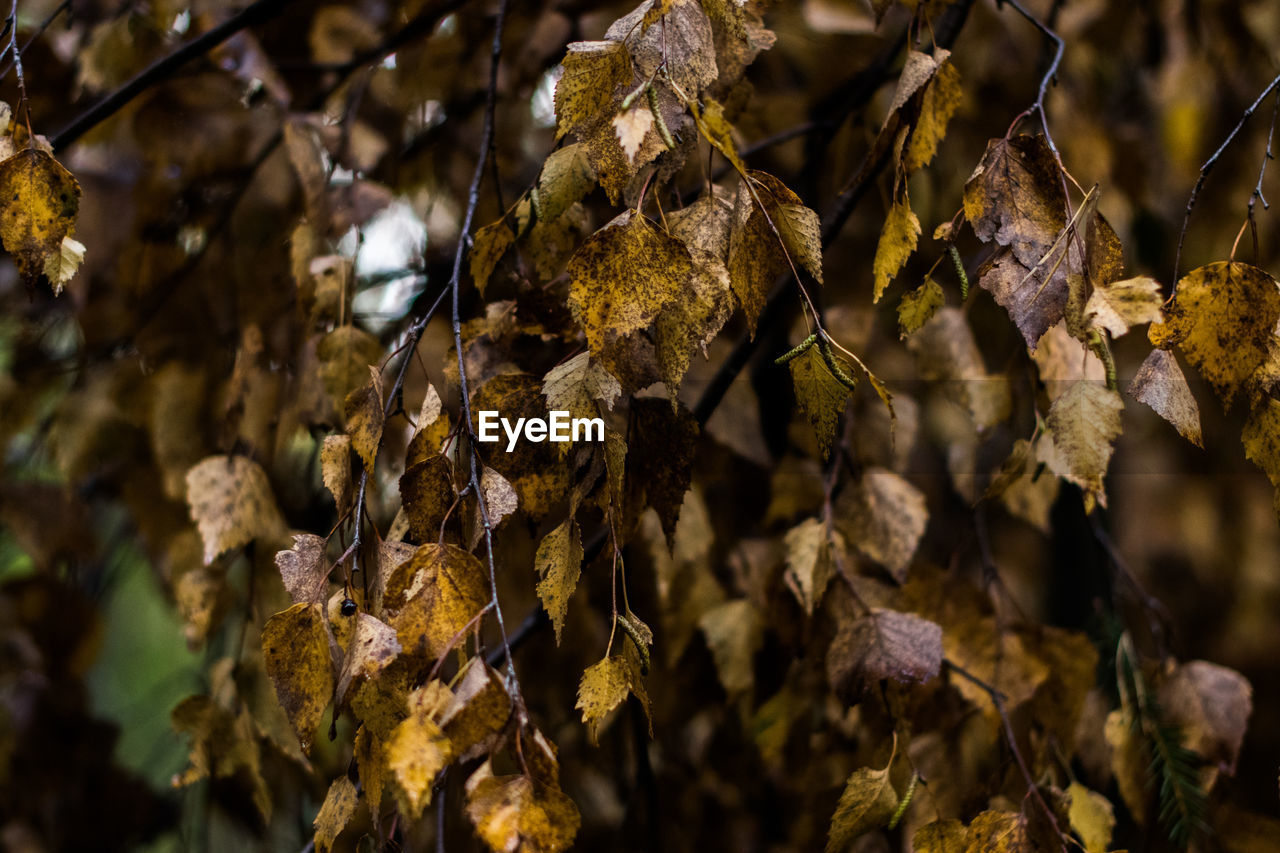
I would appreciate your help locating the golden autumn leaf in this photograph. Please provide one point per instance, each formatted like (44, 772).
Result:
(335, 813)
(867, 803)
(897, 243)
(416, 752)
(372, 648)
(520, 813)
(433, 596)
(500, 500)
(335, 469)
(942, 97)
(1092, 817)
(819, 394)
(604, 686)
(39, 200)
(622, 276)
(232, 504)
(296, 650)
(559, 562)
(593, 72)
(566, 177)
(809, 567)
(478, 711)
(489, 245)
(918, 306)
(1159, 383)
(1223, 317)
(1122, 304)
(365, 416)
(426, 490)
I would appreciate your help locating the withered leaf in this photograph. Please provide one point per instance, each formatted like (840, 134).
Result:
(232, 503)
(884, 517)
(1121, 304)
(941, 99)
(1160, 384)
(303, 569)
(918, 306)
(577, 384)
(660, 456)
(883, 644)
(593, 73)
(480, 709)
(426, 490)
(756, 256)
(519, 813)
(809, 567)
(296, 653)
(335, 469)
(372, 649)
(622, 276)
(1212, 705)
(566, 177)
(433, 596)
(489, 245)
(1083, 426)
(345, 356)
(604, 686)
(416, 752)
(335, 813)
(734, 634)
(365, 417)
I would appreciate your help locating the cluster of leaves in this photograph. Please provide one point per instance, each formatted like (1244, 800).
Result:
(818, 606)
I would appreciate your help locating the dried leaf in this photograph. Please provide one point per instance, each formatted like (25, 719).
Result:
(734, 634)
(661, 456)
(756, 256)
(883, 644)
(518, 813)
(296, 653)
(1091, 816)
(487, 248)
(232, 504)
(605, 685)
(566, 177)
(1211, 704)
(941, 100)
(577, 384)
(809, 567)
(594, 71)
(335, 813)
(432, 596)
(303, 569)
(867, 803)
(632, 127)
(918, 306)
(1083, 426)
(1122, 304)
(416, 752)
(366, 415)
(884, 517)
(61, 266)
(335, 469)
(801, 232)
(372, 649)
(1160, 384)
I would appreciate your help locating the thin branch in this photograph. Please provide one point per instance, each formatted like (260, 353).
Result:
(39, 31)
(1257, 195)
(1050, 74)
(259, 12)
(997, 699)
(1213, 161)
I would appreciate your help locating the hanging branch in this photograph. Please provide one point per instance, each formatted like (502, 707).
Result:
(31, 39)
(1050, 75)
(1213, 161)
(1257, 195)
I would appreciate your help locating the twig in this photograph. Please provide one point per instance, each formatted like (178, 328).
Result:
(1050, 74)
(997, 699)
(259, 12)
(1213, 161)
(1257, 195)
(11, 25)
(39, 31)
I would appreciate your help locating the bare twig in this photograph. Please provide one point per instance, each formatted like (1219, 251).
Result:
(39, 31)
(1213, 161)
(1050, 74)
(1257, 195)
(997, 699)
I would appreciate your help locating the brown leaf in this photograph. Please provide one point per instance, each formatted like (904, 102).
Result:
(1212, 705)
(884, 517)
(303, 569)
(232, 504)
(296, 652)
(426, 490)
(867, 803)
(1083, 426)
(1160, 384)
(335, 813)
(366, 416)
(883, 644)
(661, 456)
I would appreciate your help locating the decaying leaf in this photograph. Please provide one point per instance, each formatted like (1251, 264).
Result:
(1083, 426)
(559, 562)
(820, 395)
(884, 517)
(1122, 304)
(232, 503)
(1160, 384)
(867, 803)
(883, 644)
(296, 652)
(303, 569)
(897, 243)
(335, 813)
(520, 813)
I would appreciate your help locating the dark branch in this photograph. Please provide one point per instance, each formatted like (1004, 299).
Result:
(1050, 74)
(1208, 167)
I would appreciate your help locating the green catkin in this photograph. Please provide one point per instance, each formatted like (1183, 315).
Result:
(790, 354)
(906, 801)
(641, 646)
(667, 139)
(834, 364)
(960, 273)
(633, 94)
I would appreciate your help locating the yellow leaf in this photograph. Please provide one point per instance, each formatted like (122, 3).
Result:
(232, 504)
(918, 306)
(632, 127)
(366, 415)
(489, 245)
(416, 752)
(1091, 817)
(433, 596)
(867, 803)
(345, 356)
(566, 177)
(604, 686)
(335, 469)
(372, 649)
(586, 92)
(1128, 761)
(897, 243)
(60, 266)
(1122, 304)
(39, 200)
(999, 832)
(574, 386)
(1223, 317)
(426, 492)
(1083, 426)
(820, 395)
(335, 813)
(513, 813)
(478, 711)
(756, 256)
(1160, 384)
(713, 125)
(559, 562)
(296, 654)
(801, 232)
(941, 836)
(622, 276)
(656, 10)
(941, 100)
(734, 634)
